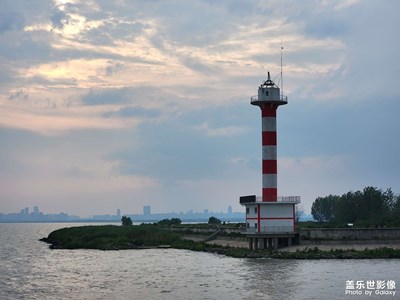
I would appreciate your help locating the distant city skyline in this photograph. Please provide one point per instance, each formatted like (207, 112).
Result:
(25, 216)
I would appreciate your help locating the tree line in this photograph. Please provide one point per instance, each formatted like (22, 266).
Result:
(126, 221)
(370, 207)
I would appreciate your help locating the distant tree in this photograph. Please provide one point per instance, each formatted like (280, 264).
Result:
(299, 213)
(346, 207)
(214, 220)
(126, 221)
(169, 222)
(369, 207)
(176, 221)
(394, 217)
(323, 208)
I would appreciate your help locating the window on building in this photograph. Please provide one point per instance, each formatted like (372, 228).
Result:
(255, 210)
(247, 210)
(247, 225)
(255, 225)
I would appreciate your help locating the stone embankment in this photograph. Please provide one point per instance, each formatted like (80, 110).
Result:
(324, 238)
(344, 234)
(220, 240)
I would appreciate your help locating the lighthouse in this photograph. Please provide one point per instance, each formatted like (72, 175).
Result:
(270, 218)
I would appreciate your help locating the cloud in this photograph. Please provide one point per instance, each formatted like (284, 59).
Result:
(11, 21)
(128, 111)
(59, 121)
(156, 93)
(184, 147)
(59, 18)
(221, 131)
(315, 176)
(113, 96)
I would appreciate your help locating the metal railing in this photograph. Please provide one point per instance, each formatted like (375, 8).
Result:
(270, 229)
(282, 98)
(285, 199)
(271, 199)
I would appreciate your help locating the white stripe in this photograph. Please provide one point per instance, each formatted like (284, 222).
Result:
(269, 181)
(269, 153)
(269, 124)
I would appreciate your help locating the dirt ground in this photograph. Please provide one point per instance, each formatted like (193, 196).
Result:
(219, 241)
(230, 243)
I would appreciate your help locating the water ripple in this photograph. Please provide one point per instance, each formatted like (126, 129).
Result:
(30, 270)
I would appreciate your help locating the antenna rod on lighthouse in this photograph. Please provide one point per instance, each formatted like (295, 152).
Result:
(281, 70)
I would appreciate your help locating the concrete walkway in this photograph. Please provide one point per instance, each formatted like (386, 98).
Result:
(219, 241)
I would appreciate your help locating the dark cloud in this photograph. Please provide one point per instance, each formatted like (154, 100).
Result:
(181, 154)
(11, 21)
(17, 44)
(18, 95)
(197, 65)
(108, 96)
(27, 48)
(58, 18)
(113, 68)
(113, 29)
(180, 149)
(130, 95)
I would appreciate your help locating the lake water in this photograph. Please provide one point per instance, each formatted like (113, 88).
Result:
(30, 270)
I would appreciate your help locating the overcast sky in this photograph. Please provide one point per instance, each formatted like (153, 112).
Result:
(120, 104)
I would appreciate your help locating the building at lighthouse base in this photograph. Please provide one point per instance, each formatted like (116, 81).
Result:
(270, 224)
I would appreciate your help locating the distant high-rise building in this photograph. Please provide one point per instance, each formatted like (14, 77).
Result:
(118, 212)
(35, 210)
(147, 210)
(206, 211)
(229, 209)
(26, 210)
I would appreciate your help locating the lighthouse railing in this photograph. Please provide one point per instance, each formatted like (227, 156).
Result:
(282, 98)
(286, 199)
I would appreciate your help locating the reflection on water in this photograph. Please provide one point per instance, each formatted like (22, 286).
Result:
(30, 270)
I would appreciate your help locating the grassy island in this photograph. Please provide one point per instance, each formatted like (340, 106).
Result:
(112, 237)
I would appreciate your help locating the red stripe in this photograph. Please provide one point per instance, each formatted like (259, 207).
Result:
(269, 138)
(294, 223)
(270, 218)
(258, 210)
(270, 194)
(269, 166)
(268, 111)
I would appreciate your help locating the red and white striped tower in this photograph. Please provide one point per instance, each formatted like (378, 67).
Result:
(270, 219)
(268, 100)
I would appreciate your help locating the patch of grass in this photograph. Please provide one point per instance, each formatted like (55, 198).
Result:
(112, 237)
